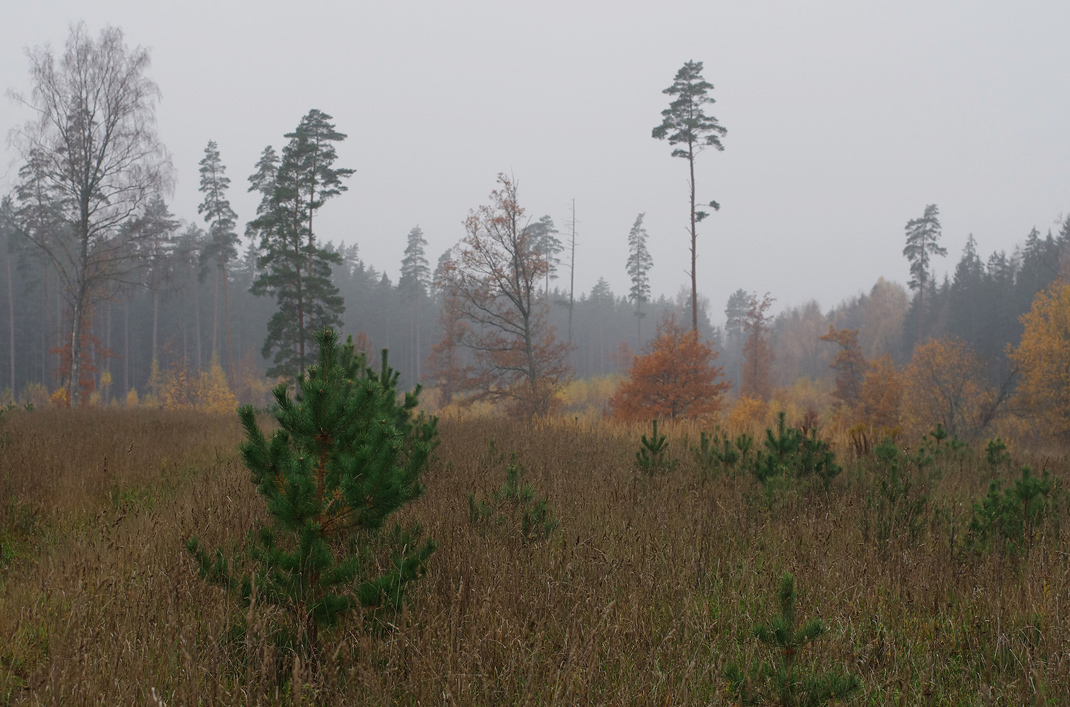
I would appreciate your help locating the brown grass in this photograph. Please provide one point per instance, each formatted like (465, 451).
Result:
(643, 593)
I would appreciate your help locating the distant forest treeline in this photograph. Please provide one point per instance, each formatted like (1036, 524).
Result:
(176, 311)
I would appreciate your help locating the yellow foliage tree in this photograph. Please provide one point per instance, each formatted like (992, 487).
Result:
(882, 395)
(1043, 359)
(213, 393)
(945, 384)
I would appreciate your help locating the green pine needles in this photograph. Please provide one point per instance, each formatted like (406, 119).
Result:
(1011, 517)
(783, 682)
(653, 455)
(347, 455)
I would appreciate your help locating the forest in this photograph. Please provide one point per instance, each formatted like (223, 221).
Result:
(241, 465)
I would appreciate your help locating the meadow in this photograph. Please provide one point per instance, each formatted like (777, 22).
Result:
(642, 590)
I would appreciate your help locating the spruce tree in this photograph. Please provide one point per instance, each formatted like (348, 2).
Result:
(347, 455)
(222, 245)
(639, 264)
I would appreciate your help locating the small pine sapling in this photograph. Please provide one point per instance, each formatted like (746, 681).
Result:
(1012, 515)
(652, 456)
(713, 451)
(348, 454)
(782, 682)
(996, 453)
(536, 519)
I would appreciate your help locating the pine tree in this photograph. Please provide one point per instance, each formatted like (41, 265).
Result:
(347, 456)
(156, 228)
(923, 236)
(413, 286)
(296, 270)
(639, 264)
(685, 123)
(222, 245)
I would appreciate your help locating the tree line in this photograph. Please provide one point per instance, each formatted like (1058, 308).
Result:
(105, 290)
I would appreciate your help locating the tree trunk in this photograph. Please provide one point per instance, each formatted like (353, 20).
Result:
(11, 324)
(126, 346)
(226, 312)
(694, 281)
(155, 320)
(215, 313)
(197, 322)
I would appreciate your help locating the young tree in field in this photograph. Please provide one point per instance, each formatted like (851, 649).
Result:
(1043, 359)
(639, 264)
(495, 286)
(94, 143)
(349, 453)
(684, 123)
(945, 384)
(757, 355)
(413, 285)
(850, 366)
(675, 378)
(296, 270)
(222, 245)
(923, 242)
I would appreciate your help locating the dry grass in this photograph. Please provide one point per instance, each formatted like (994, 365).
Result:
(641, 595)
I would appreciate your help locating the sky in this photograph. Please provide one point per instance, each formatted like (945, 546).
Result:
(844, 118)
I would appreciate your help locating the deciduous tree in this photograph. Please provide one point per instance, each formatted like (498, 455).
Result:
(93, 143)
(675, 378)
(495, 287)
(757, 355)
(882, 394)
(945, 384)
(850, 366)
(1043, 359)
(685, 123)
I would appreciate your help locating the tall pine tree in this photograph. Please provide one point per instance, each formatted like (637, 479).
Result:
(639, 264)
(413, 286)
(222, 245)
(684, 123)
(923, 242)
(296, 270)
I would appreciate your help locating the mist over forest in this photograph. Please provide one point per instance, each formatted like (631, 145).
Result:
(105, 284)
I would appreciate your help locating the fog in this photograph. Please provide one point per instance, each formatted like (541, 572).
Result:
(844, 120)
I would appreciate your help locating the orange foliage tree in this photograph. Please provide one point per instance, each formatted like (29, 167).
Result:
(494, 286)
(1043, 360)
(757, 355)
(945, 384)
(675, 378)
(850, 366)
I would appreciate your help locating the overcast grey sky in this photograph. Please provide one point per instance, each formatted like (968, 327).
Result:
(844, 120)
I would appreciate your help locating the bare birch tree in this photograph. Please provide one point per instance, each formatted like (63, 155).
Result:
(93, 140)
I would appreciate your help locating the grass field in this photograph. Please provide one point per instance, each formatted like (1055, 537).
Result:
(642, 594)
